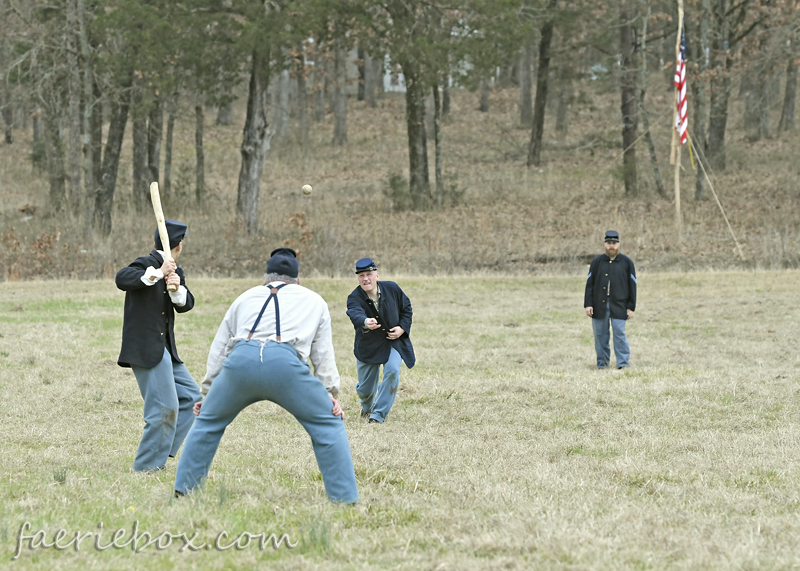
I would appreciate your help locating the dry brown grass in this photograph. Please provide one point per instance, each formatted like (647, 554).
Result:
(505, 449)
(511, 219)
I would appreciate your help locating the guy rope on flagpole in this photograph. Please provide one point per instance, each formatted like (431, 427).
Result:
(701, 160)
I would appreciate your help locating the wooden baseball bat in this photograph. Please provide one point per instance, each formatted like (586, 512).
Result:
(155, 198)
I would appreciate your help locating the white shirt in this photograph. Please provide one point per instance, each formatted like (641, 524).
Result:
(305, 325)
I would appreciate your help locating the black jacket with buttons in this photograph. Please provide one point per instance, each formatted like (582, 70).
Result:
(372, 346)
(620, 276)
(149, 320)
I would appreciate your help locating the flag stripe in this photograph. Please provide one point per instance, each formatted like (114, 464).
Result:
(681, 121)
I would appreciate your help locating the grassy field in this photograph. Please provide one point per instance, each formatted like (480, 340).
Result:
(505, 448)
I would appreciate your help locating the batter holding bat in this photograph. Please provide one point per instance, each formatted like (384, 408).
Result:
(148, 345)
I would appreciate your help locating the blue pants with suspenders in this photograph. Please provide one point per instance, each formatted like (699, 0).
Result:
(270, 371)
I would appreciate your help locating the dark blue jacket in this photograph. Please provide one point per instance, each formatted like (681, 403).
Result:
(149, 322)
(372, 346)
(620, 276)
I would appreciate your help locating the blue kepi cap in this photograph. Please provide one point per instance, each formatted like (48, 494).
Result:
(176, 232)
(365, 265)
(612, 236)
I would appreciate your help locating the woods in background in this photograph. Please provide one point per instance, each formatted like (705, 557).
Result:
(78, 69)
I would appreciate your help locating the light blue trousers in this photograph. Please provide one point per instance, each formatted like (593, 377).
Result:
(377, 400)
(254, 372)
(601, 342)
(169, 392)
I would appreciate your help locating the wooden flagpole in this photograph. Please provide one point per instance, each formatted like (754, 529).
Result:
(675, 155)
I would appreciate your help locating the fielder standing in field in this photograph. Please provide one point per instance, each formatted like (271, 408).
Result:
(611, 296)
(381, 315)
(261, 352)
(148, 347)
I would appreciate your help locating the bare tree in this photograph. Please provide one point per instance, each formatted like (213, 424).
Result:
(172, 110)
(370, 81)
(54, 151)
(628, 105)
(88, 105)
(542, 75)
(437, 140)
(255, 142)
(225, 114)
(141, 171)
(786, 122)
(484, 104)
(155, 127)
(526, 85)
(74, 86)
(302, 94)
(111, 157)
(643, 113)
(419, 183)
(280, 107)
(200, 156)
(698, 86)
(340, 95)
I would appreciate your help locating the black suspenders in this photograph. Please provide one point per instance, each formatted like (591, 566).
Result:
(273, 293)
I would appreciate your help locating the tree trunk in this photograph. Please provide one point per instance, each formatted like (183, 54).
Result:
(340, 96)
(172, 109)
(200, 165)
(318, 97)
(484, 105)
(225, 114)
(562, 111)
(437, 138)
(280, 111)
(302, 94)
(111, 157)
(377, 68)
(155, 129)
(362, 73)
(540, 103)
(141, 171)
(55, 158)
(97, 136)
(699, 98)
(756, 108)
(370, 82)
(419, 179)
(720, 88)
(642, 90)
(718, 121)
(255, 143)
(8, 115)
(790, 94)
(89, 184)
(526, 86)
(37, 126)
(628, 104)
(74, 87)
(446, 95)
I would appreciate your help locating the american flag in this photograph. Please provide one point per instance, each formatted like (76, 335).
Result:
(681, 123)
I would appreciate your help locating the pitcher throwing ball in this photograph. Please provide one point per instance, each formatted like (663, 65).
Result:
(261, 352)
(381, 315)
(148, 347)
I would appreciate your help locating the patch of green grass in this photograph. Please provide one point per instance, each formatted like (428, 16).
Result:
(514, 452)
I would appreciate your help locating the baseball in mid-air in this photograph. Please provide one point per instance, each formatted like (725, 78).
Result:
(306, 189)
